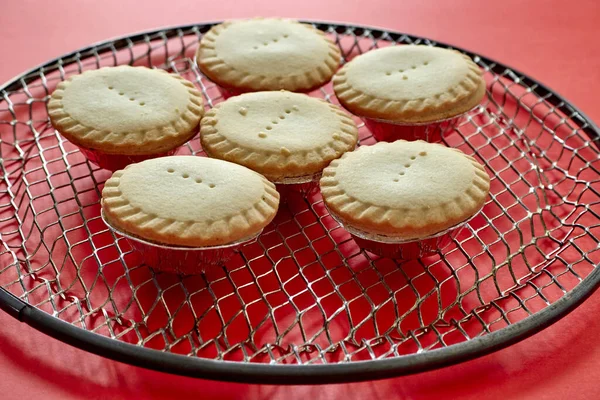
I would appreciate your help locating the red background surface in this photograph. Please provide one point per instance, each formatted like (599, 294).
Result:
(551, 40)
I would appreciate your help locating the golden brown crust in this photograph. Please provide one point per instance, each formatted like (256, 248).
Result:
(415, 92)
(278, 134)
(294, 69)
(179, 201)
(126, 134)
(404, 189)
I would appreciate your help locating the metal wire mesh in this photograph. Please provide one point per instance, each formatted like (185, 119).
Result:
(304, 293)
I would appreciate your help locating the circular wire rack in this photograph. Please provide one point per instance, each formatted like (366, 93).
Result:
(303, 304)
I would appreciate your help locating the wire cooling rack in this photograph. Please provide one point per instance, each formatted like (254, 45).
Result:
(303, 304)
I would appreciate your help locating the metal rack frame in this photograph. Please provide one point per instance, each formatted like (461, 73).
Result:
(275, 369)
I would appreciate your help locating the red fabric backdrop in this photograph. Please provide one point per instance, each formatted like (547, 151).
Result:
(552, 40)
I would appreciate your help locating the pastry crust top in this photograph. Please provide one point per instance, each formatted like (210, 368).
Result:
(278, 134)
(404, 189)
(126, 110)
(410, 84)
(189, 201)
(267, 54)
